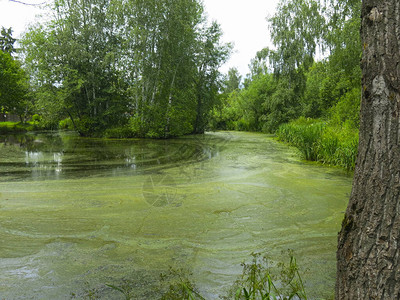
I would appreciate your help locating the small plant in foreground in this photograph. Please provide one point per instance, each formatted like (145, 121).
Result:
(180, 287)
(261, 281)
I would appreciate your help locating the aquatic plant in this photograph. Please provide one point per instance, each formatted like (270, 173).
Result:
(261, 279)
(323, 142)
(264, 280)
(304, 135)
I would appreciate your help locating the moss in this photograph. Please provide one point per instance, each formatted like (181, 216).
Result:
(347, 224)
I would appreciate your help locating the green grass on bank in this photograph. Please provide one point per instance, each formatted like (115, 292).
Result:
(317, 140)
(17, 127)
(322, 142)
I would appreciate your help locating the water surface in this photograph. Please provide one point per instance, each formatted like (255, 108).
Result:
(78, 213)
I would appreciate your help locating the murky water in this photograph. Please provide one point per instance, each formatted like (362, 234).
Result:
(76, 214)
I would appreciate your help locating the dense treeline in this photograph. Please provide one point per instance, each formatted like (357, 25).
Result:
(288, 82)
(126, 68)
(150, 69)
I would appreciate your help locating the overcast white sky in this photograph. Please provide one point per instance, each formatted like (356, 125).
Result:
(243, 23)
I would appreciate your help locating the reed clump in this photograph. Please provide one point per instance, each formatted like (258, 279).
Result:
(321, 141)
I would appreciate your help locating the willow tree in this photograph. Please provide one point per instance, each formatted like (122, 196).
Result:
(296, 29)
(369, 242)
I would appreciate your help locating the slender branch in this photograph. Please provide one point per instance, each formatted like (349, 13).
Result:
(24, 3)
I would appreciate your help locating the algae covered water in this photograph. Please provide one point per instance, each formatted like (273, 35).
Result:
(77, 214)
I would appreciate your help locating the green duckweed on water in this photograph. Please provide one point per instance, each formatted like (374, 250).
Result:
(78, 212)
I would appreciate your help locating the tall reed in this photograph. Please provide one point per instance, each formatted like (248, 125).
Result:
(321, 141)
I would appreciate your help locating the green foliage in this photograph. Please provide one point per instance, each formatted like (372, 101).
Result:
(347, 110)
(315, 104)
(283, 106)
(154, 60)
(232, 81)
(36, 118)
(7, 41)
(13, 85)
(303, 134)
(66, 124)
(227, 113)
(137, 126)
(300, 87)
(263, 280)
(295, 30)
(322, 142)
(247, 109)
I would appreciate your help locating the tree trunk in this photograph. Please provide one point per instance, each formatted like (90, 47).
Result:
(368, 257)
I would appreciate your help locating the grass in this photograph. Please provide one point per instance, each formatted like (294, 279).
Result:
(321, 141)
(17, 127)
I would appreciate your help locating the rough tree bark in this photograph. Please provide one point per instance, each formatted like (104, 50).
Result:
(368, 257)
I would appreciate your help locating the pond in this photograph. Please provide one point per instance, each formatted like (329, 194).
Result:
(77, 214)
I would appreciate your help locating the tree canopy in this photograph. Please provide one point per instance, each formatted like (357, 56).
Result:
(7, 41)
(148, 66)
(312, 70)
(13, 80)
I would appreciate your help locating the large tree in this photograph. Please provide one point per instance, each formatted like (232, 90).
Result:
(147, 65)
(369, 242)
(13, 86)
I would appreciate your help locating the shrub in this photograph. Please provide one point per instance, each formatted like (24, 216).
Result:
(36, 118)
(241, 125)
(137, 126)
(66, 124)
(347, 110)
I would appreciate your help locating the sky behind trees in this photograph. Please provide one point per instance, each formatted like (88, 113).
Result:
(243, 23)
